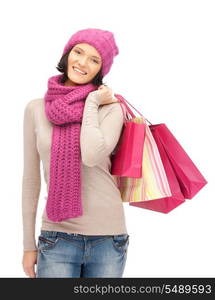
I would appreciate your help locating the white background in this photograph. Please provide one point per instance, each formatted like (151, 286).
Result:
(165, 68)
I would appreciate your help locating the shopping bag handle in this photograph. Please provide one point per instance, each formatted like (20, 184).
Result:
(123, 100)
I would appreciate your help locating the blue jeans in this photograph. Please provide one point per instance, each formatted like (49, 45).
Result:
(63, 254)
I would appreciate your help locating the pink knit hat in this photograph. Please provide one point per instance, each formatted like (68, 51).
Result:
(102, 40)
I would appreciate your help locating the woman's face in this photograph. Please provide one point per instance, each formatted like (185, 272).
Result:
(86, 58)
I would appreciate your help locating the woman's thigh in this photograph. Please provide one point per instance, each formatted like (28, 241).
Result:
(58, 257)
(107, 258)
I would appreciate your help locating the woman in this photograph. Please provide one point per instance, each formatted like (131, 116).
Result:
(73, 130)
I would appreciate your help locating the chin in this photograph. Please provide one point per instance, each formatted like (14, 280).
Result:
(77, 81)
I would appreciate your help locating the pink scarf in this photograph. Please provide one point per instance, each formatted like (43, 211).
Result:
(64, 107)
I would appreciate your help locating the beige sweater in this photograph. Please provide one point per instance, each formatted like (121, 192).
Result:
(103, 211)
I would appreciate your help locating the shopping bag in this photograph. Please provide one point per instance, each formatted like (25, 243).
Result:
(165, 204)
(126, 159)
(184, 179)
(190, 179)
(153, 183)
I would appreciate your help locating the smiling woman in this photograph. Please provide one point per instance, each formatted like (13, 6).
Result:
(80, 65)
(74, 134)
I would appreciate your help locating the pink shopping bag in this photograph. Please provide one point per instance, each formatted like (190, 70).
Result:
(126, 159)
(188, 175)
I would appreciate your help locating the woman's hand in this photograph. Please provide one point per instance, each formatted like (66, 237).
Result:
(29, 260)
(106, 95)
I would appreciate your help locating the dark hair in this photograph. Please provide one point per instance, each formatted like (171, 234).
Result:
(63, 67)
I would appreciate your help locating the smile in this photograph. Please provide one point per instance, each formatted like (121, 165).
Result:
(79, 71)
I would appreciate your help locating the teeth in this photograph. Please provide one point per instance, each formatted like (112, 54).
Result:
(79, 70)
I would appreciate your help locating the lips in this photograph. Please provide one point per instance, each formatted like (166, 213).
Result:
(80, 70)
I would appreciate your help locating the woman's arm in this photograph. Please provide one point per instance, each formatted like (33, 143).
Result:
(97, 141)
(31, 180)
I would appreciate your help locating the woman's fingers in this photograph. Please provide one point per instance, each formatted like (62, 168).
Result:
(30, 272)
(106, 95)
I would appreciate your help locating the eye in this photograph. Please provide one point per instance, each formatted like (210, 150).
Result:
(77, 51)
(95, 61)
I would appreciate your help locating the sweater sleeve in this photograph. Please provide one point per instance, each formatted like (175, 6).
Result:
(97, 141)
(31, 180)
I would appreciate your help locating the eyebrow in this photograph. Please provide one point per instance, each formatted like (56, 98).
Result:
(83, 50)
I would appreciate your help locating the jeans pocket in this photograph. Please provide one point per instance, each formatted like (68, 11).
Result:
(45, 243)
(120, 242)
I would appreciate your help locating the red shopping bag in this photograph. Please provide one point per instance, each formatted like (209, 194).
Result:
(126, 159)
(190, 179)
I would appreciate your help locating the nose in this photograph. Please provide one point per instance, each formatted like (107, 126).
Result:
(82, 61)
